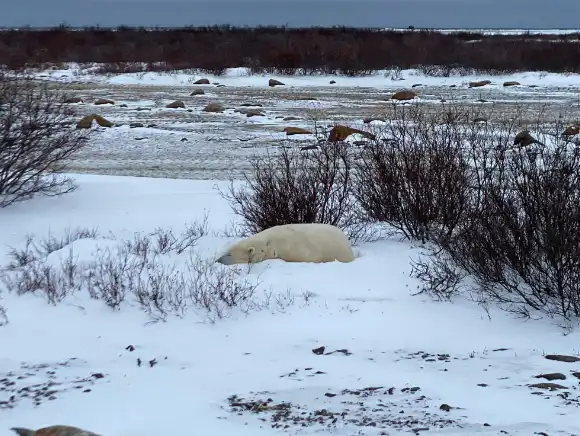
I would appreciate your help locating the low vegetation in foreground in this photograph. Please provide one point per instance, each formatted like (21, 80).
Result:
(280, 50)
(494, 205)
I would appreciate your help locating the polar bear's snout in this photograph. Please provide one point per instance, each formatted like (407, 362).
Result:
(226, 259)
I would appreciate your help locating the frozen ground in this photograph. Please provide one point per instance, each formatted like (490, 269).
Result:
(190, 143)
(392, 362)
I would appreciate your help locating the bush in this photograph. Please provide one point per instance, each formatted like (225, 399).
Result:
(418, 176)
(159, 272)
(280, 50)
(298, 186)
(520, 242)
(35, 140)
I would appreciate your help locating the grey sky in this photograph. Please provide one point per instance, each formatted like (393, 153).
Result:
(372, 13)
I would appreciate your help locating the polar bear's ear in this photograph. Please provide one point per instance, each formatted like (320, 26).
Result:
(251, 251)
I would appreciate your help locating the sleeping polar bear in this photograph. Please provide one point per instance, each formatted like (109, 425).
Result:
(316, 243)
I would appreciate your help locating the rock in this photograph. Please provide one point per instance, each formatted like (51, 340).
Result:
(416, 85)
(135, 125)
(332, 82)
(576, 374)
(123, 105)
(139, 109)
(290, 119)
(177, 104)
(453, 86)
(254, 113)
(308, 147)
(73, 100)
(251, 104)
(562, 358)
(197, 92)
(214, 107)
(371, 119)
(305, 98)
(274, 82)
(201, 82)
(479, 83)
(250, 112)
(403, 95)
(523, 139)
(220, 86)
(480, 120)
(571, 131)
(445, 407)
(53, 430)
(101, 101)
(552, 376)
(511, 83)
(87, 122)
(340, 133)
(550, 386)
(318, 351)
(296, 131)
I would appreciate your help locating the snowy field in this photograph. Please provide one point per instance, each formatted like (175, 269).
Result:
(154, 141)
(392, 362)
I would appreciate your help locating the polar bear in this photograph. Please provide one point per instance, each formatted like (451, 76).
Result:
(315, 243)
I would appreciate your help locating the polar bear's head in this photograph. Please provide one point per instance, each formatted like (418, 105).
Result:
(250, 250)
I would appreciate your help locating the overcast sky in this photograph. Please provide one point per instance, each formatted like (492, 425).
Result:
(371, 13)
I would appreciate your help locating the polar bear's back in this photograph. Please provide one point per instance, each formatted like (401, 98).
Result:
(312, 242)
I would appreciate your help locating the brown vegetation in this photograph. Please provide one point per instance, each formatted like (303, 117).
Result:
(281, 50)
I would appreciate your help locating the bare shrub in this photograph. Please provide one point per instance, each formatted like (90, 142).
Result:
(521, 246)
(281, 50)
(35, 140)
(296, 186)
(146, 270)
(418, 177)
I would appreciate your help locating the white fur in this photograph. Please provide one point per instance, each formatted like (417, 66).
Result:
(316, 243)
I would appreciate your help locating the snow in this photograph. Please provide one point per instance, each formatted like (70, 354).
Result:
(366, 307)
(240, 77)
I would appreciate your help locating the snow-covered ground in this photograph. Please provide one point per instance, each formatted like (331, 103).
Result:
(403, 362)
(241, 77)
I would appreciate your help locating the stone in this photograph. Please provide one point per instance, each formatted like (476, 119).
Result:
(101, 101)
(201, 82)
(214, 107)
(479, 84)
(177, 104)
(403, 95)
(73, 100)
(274, 82)
(340, 133)
(197, 92)
(87, 122)
(296, 131)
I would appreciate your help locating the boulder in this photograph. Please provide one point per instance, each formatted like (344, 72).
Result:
(340, 133)
(197, 92)
(523, 139)
(177, 104)
(201, 82)
(214, 107)
(73, 100)
(403, 95)
(101, 101)
(571, 131)
(511, 83)
(296, 131)
(332, 82)
(86, 122)
(479, 83)
(274, 82)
